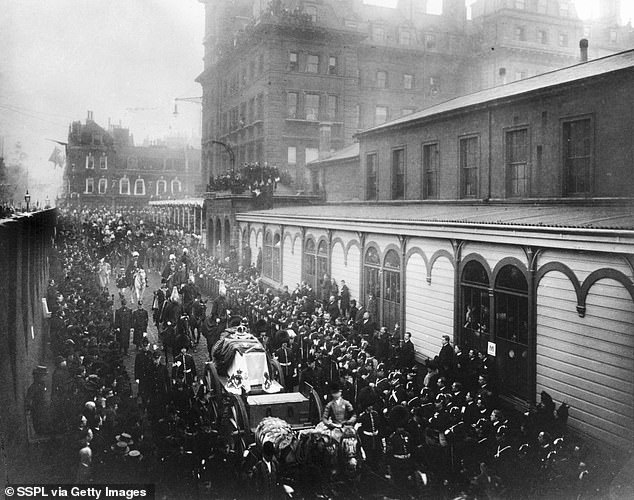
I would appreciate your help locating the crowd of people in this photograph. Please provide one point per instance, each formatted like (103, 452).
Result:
(437, 424)
(251, 177)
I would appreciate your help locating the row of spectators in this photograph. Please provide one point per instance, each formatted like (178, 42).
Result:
(251, 177)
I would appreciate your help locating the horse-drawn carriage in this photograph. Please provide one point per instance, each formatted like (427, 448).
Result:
(247, 384)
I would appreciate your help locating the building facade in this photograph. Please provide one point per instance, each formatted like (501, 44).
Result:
(504, 219)
(288, 82)
(105, 168)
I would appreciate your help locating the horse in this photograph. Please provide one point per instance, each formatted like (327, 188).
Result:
(103, 273)
(139, 283)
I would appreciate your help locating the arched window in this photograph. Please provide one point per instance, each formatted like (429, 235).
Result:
(176, 186)
(475, 306)
(103, 186)
(124, 186)
(277, 268)
(371, 281)
(511, 330)
(322, 261)
(391, 305)
(139, 187)
(161, 187)
(309, 263)
(267, 264)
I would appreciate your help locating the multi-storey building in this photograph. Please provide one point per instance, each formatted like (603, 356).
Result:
(504, 219)
(289, 81)
(104, 167)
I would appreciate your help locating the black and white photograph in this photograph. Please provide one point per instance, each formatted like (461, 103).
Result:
(317, 249)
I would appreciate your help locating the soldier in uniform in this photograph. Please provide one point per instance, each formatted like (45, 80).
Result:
(183, 378)
(123, 324)
(369, 428)
(400, 447)
(285, 357)
(139, 323)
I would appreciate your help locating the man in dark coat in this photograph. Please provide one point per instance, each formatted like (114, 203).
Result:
(139, 323)
(123, 324)
(36, 402)
(367, 326)
(265, 473)
(142, 368)
(446, 356)
(344, 299)
(408, 353)
(285, 357)
(158, 387)
(333, 309)
(211, 330)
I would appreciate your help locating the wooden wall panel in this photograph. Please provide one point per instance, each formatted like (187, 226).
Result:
(429, 306)
(588, 362)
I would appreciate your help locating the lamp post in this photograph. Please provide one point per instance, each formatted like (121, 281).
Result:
(27, 199)
(47, 203)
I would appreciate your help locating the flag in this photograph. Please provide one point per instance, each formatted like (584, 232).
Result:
(57, 158)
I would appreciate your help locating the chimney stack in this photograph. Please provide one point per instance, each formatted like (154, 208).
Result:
(583, 49)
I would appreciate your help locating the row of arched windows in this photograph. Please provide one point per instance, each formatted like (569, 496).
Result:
(126, 188)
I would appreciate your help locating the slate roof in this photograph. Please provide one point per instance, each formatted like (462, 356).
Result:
(570, 74)
(348, 153)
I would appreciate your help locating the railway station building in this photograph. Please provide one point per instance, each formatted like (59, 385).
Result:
(504, 219)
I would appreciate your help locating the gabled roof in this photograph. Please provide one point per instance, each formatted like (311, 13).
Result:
(597, 67)
(348, 153)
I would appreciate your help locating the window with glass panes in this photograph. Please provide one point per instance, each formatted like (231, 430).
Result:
(90, 185)
(469, 163)
(380, 115)
(408, 81)
(517, 163)
(371, 176)
(520, 33)
(430, 170)
(321, 261)
(430, 41)
(372, 274)
(390, 305)
(267, 256)
(293, 61)
(381, 79)
(475, 304)
(332, 65)
(511, 330)
(312, 63)
(378, 33)
(291, 104)
(578, 148)
(332, 107)
(311, 106)
(276, 269)
(405, 37)
(398, 174)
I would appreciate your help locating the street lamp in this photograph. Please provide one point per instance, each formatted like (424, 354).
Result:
(27, 199)
(47, 203)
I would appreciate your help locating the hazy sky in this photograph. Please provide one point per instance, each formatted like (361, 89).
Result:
(123, 59)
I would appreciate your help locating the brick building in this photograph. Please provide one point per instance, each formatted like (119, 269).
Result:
(288, 82)
(504, 219)
(104, 167)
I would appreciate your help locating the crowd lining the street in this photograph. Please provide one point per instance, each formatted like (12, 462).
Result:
(437, 425)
